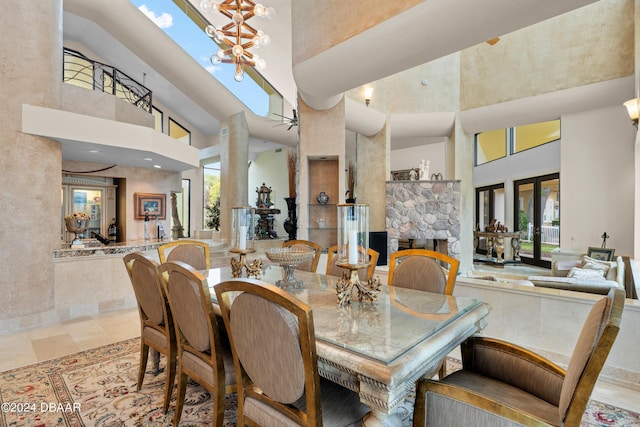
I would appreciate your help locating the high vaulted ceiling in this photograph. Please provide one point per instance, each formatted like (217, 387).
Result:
(122, 36)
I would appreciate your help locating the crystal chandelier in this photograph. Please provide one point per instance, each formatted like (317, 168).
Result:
(237, 36)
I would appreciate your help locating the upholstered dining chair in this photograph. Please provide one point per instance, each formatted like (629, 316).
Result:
(274, 351)
(203, 353)
(156, 323)
(365, 274)
(502, 384)
(421, 269)
(194, 252)
(312, 264)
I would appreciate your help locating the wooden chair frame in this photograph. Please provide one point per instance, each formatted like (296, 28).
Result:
(581, 394)
(396, 257)
(218, 388)
(167, 329)
(164, 251)
(311, 245)
(225, 292)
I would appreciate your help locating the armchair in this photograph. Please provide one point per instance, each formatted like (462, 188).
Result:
(502, 384)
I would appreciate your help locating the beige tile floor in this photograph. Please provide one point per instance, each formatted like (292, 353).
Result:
(36, 345)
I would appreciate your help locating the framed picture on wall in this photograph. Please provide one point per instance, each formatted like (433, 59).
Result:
(150, 203)
(602, 254)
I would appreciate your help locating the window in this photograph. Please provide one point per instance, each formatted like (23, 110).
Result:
(211, 193)
(157, 115)
(490, 146)
(534, 135)
(178, 132)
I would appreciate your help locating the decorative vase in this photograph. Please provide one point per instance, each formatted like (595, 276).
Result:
(323, 198)
(291, 223)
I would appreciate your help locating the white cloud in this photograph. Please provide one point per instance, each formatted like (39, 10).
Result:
(163, 21)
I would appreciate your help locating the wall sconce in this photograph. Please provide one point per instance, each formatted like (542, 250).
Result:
(633, 109)
(368, 91)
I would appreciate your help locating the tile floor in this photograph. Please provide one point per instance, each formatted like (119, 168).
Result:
(72, 336)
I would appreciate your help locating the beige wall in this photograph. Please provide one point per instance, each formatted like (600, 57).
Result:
(591, 44)
(319, 25)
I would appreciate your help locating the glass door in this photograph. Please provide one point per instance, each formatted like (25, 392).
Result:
(537, 217)
(490, 206)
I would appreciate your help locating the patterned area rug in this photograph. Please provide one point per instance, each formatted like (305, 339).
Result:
(98, 388)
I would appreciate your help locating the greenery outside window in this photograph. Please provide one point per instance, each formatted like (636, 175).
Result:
(211, 195)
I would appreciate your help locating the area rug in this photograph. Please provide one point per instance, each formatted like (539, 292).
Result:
(98, 388)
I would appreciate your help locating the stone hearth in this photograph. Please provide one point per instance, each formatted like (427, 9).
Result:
(424, 210)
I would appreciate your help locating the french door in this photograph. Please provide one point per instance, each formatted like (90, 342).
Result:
(537, 217)
(490, 205)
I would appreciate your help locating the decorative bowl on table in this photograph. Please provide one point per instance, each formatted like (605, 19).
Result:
(289, 259)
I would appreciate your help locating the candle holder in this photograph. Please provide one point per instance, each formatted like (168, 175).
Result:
(353, 253)
(344, 288)
(353, 234)
(242, 238)
(254, 268)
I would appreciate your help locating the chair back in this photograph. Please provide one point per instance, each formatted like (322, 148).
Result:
(273, 344)
(193, 252)
(150, 296)
(190, 302)
(592, 348)
(365, 274)
(421, 269)
(312, 264)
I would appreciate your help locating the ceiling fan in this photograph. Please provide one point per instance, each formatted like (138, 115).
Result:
(291, 121)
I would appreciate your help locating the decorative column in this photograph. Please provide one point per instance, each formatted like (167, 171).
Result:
(31, 70)
(234, 169)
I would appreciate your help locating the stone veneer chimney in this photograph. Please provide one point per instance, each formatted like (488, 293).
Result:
(424, 210)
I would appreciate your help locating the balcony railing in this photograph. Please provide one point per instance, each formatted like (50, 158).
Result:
(81, 71)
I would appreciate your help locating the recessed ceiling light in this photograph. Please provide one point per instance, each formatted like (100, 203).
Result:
(148, 159)
(157, 166)
(94, 151)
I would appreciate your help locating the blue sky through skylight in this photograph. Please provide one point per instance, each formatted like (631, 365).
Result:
(177, 25)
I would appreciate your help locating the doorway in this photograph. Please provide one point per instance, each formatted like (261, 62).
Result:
(490, 205)
(537, 217)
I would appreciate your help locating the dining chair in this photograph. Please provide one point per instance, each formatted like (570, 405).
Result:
(194, 252)
(365, 274)
(274, 351)
(421, 269)
(312, 264)
(203, 353)
(156, 323)
(502, 384)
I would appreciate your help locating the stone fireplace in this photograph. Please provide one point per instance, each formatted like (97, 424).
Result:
(424, 211)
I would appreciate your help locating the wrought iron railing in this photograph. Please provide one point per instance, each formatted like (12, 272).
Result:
(84, 72)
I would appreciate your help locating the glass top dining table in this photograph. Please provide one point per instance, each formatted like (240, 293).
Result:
(378, 349)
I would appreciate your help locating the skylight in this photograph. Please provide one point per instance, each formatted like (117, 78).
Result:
(188, 35)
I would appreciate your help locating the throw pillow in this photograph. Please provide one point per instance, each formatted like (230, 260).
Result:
(588, 260)
(590, 265)
(585, 274)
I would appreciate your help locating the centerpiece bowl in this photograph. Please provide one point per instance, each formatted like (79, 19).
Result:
(289, 259)
(77, 223)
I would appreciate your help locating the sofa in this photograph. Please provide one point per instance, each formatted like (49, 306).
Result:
(585, 274)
